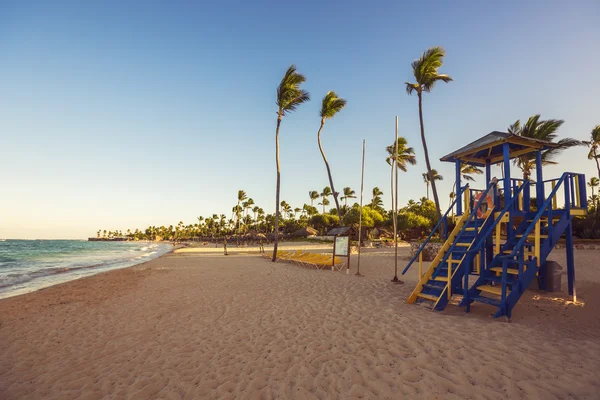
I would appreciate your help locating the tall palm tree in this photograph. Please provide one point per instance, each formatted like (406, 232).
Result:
(325, 194)
(324, 203)
(428, 181)
(594, 144)
(376, 201)
(289, 97)
(241, 197)
(331, 105)
(425, 70)
(546, 130)
(405, 156)
(314, 195)
(348, 194)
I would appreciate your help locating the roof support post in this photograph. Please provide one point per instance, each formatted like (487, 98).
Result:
(539, 186)
(489, 244)
(458, 195)
(507, 189)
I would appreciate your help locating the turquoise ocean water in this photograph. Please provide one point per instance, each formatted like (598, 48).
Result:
(28, 265)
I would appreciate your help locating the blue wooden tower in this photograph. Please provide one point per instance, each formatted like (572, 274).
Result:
(502, 233)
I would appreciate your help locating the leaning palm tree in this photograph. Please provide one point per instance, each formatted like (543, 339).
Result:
(404, 155)
(348, 194)
(331, 105)
(289, 97)
(538, 129)
(428, 181)
(314, 195)
(594, 144)
(425, 70)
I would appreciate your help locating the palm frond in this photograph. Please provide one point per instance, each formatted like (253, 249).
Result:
(515, 128)
(332, 104)
(411, 87)
(289, 93)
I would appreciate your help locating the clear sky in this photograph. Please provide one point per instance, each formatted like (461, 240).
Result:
(128, 114)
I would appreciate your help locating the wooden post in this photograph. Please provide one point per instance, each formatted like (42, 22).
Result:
(507, 190)
(395, 206)
(458, 198)
(539, 185)
(362, 181)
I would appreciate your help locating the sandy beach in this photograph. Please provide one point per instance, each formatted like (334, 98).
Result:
(196, 324)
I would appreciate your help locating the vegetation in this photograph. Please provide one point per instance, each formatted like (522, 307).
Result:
(289, 97)
(594, 144)
(545, 130)
(332, 104)
(430, 178)
(425, 71)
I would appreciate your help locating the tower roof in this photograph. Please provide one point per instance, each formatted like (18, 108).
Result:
(489, 148)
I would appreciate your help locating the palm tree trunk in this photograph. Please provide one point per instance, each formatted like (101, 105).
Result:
(392, 184)
(278, 188)
(426, 152)
(335, 194)
(427, 184)
(597, 162)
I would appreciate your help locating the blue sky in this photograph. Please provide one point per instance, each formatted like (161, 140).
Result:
(129, 114)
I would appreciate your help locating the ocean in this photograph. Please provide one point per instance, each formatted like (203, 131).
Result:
(28, 265)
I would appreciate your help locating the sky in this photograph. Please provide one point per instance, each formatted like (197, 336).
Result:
(117, 115)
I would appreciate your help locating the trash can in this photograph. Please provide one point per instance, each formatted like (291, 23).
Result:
(553, 276)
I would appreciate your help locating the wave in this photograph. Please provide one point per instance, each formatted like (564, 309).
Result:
(74, 267)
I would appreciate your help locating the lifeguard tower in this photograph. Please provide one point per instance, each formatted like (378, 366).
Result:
(502, 236)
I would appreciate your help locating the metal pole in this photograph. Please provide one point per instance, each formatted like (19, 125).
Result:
(395, 206)
(362, 181)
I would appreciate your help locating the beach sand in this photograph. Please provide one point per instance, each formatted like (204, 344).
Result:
(195, 324)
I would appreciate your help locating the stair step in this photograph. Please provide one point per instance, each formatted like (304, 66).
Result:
(464, 244)
(513, 271)
(434, 287)
(441, 278)
(472, 229)
(497, 290)
(486, 300)
(532, 236)
(427, 296)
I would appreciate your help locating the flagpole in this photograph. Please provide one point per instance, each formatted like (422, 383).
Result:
(362, 181)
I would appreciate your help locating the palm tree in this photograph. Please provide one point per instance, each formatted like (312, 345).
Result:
(466, 171)
(594, 144)
(314, 195)
(538, 129)
(289, 97)
(331, 105)
(593, 184)
(348, 194)
(324, 194)
(428, 181)
(425, 70)
(405, 156)
(376, 201)
(324, 203)
(241, 197)
(248, 206)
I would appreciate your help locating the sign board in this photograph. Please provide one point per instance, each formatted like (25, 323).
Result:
(342, 246)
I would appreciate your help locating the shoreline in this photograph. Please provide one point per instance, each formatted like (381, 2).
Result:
(61, 277)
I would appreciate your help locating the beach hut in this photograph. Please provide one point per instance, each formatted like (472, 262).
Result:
(479, 263)
(306, 232)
